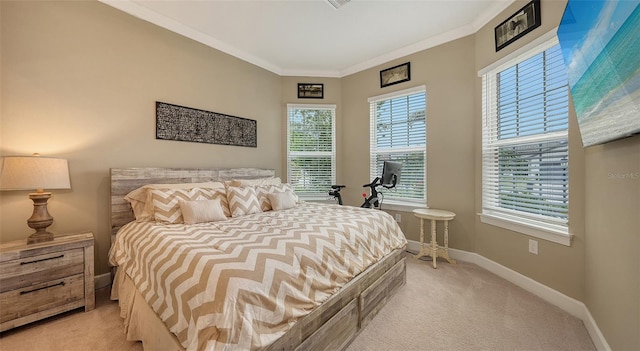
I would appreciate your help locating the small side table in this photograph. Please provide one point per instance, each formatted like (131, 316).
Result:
(433, 249)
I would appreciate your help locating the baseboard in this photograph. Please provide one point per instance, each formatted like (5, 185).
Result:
(596, 335)
(102, 280)
(554, 297)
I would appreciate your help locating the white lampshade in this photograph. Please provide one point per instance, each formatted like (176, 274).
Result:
(33, 173)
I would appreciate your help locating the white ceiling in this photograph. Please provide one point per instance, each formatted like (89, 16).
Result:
(310, 37)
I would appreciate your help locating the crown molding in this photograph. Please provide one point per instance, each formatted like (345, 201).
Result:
(132, 8)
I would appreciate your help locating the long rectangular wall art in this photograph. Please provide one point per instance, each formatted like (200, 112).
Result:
(181, 123)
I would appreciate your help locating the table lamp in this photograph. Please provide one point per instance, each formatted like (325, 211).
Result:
(35, 173)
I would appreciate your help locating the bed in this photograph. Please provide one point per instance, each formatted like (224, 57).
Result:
(280, 278)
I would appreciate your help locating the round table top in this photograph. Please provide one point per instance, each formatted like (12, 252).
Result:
(430, 213)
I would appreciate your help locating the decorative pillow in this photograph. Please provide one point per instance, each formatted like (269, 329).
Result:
(263, 191)
(166, 202)
(140, 198)
(256, 182)
(202, 211)
(282, 201)
(242, 201)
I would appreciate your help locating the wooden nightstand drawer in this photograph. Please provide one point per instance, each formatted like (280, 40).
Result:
(46, 278)
(42, 268)
(67, 293)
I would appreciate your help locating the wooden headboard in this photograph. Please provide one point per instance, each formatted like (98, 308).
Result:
(124, 180)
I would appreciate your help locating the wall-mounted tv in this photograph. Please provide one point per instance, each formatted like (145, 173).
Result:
(600, 42)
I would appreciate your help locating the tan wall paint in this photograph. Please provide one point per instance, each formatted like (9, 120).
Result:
(447, 72)
(613, 240)
(602, 267)
(556, 266)
(88, 75)
(80, 80)
(332, 96)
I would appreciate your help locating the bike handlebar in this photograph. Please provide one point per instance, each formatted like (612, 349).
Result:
(372, 184)
(335, 192)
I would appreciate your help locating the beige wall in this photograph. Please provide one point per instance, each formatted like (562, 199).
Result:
(612, 253)
(556, 266)
(448, 74)
(332, 96)
(80, 81)
(602, 266)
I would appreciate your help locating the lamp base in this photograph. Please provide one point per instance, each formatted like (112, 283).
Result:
(39, 238)
(40, 219)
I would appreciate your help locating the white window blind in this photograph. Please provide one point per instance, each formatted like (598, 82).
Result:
(398, 132)
(525, 153)
(311, 151)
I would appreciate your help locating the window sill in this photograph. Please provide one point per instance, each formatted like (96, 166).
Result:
(540, 232)
(386, 205)
(401, 206)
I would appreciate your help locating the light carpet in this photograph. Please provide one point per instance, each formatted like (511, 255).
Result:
(464, 307)
(453, 307)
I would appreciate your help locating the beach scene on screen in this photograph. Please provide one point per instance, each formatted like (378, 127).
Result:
(600, 42)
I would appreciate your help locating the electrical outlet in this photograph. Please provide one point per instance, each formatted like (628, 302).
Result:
(398, 217)
(533, 247)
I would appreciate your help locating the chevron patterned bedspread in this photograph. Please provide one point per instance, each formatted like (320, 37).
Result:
(243, 282)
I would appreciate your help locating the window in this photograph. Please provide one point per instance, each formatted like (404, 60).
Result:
(399, 133)
(525, 152)
(311, 149)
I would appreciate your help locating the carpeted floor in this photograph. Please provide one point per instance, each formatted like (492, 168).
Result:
(465, 307)
(454, 307)
(98, 330)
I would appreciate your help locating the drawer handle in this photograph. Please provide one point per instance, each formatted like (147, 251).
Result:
(43, 259)
(45, 287)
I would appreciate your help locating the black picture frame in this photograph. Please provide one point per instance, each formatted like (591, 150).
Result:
(517, 25)
(395, 75)
(310, 91)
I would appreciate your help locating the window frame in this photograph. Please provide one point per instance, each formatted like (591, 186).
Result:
(554, 231)
(401, 204)
(320, 195)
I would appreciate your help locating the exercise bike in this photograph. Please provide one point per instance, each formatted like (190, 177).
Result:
(375, 198)
(390, 177)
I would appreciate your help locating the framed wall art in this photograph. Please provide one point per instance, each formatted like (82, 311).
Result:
(520, 23)
(310, 91)
(174, 122)
(396, 74)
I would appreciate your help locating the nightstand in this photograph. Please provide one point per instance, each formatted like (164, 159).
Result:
(44, 279)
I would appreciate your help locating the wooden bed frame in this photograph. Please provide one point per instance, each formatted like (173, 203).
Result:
(338, 320)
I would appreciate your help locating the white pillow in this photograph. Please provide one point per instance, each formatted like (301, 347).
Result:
(263, 191)
(202, 211)
(282, 201)
(166, 202)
